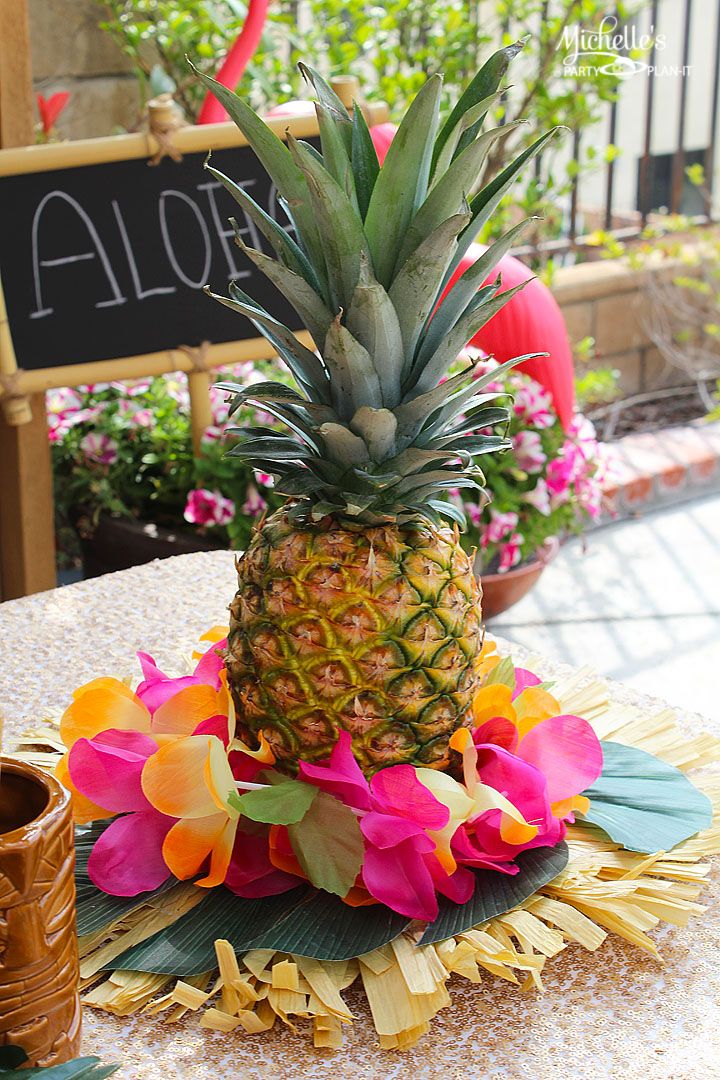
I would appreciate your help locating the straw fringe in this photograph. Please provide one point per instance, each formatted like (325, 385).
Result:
(604, 889)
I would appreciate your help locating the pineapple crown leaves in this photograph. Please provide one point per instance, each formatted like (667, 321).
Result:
(377, 429)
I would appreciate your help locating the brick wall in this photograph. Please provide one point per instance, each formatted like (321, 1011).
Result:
(606, 301)
(70, 52)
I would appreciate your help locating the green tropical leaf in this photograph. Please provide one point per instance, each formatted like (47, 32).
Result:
(324, 928)
(403, 180)
(329, 845)
(187, 947)
(484, 84)
(95, 909)
(643, 803)
(503, 673)
(497, 893)
(283, 804)
(86, 1068)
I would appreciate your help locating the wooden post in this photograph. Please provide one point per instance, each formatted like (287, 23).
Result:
(27, 534)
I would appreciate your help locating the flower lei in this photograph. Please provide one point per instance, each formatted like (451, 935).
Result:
(185, 797)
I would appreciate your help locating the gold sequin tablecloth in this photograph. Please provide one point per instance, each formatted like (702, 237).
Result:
(616, 1013)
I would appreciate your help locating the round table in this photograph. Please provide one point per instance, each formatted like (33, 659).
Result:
(614, 1013)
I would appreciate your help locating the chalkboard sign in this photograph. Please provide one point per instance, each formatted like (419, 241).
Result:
(101, 261)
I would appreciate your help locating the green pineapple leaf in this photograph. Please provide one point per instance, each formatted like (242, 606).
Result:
(336, 152)
(280, 241)
(473, 319)
(364, 160)
(284, 804)
(328, 845)
(474, 115)
(465, 290)
(486, 202)
(330, 102)
(483, 86)
(353, 375)
(448, 195)
(296, 289)
(415, 290)
(373, 321)
(403, 180)
(277, 161)
(338, 223)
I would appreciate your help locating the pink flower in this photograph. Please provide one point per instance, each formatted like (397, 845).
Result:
(510, 552)
(542, 773)
(534, 405)
(99, 448)
(528, 451)
(213, 434)
(474, 514)
(62, 400)
(205, 507)
(539, 497)
(265, 479)
(500, 525)
(254, 504)
(395, 811)
(157, 688)
(128, 857)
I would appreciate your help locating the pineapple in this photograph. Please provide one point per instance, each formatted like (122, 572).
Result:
(357, 608)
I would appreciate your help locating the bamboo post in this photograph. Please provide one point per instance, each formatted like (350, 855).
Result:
(27, 534)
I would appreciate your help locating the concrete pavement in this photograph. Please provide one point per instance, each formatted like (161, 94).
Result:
(640, 601)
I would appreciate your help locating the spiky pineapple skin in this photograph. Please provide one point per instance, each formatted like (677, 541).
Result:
(372, 630)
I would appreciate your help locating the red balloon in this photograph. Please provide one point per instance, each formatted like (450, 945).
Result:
(531, 322)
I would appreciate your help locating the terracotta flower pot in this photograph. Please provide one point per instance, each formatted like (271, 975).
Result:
(39, 999)
(502, 591)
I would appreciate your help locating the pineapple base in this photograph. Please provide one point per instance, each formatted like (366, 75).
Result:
(371, 630)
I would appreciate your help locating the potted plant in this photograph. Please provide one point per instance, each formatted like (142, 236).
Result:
(548, 486)
(128, 488)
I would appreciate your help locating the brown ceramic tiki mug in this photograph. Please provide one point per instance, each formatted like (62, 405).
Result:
(39, 1001)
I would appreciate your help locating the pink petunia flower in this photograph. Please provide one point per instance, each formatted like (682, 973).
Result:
(99, 448)
(510, 552)
(528, 451)
(539, 497)
(500, 525)
(254, 504)
(206, 507)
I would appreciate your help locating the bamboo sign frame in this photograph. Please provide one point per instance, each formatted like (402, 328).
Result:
(16, 384)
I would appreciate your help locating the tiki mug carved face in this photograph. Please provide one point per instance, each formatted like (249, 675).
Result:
(39, 1001)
